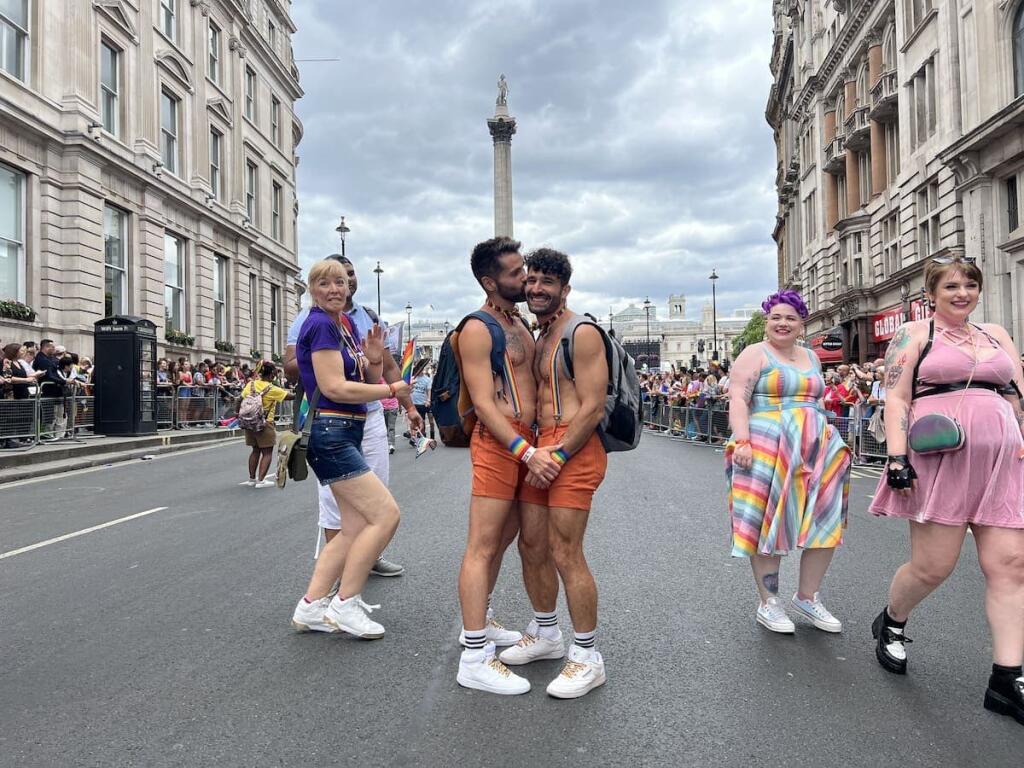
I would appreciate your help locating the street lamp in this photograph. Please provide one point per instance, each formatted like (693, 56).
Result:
(714, 315)
(408, 313)
(342, 230)
(378, 272)
(611, 327)
(647, 311)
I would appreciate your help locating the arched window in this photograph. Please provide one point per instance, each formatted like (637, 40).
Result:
(840, 112)
(862, 85)
(889, 49)
(1018, 51)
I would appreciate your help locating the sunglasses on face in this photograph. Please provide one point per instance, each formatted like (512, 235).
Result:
(954, 259)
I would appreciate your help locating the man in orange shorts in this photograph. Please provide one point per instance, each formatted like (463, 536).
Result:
(504, 394)
(569, 408)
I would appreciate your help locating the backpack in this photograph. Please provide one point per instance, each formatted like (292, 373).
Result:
(622, 425)
(251, 413)
(450, 403)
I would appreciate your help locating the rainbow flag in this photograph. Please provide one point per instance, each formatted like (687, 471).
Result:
(303, 412)
(407, 356)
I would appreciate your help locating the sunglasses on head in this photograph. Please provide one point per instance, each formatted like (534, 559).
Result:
(954, 259)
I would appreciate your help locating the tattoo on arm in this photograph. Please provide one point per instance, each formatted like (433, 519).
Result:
(893, 371)
(748, 390)
(903, 423)
(771, 583)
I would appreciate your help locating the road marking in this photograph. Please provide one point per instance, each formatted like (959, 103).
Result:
(82, 532)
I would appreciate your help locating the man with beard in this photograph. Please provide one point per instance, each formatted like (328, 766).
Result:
(570, 407)
(375, 434)
(502, 453)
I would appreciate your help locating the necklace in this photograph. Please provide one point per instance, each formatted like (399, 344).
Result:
(546, 325)
(510, 315)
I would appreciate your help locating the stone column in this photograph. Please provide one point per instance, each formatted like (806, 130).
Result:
(502, 127)
(851, 99)
(852, 183)
(830, 126)
(878, 168)
(831, 202)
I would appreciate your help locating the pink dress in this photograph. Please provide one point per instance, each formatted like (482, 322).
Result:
(983, 482)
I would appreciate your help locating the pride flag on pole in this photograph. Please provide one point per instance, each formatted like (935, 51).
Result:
(407, 356)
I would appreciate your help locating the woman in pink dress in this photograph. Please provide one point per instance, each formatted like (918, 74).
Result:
(969, 372)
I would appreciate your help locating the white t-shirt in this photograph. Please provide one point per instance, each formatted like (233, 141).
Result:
(878, 392)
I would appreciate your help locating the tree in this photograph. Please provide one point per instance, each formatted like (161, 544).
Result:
(752, 333)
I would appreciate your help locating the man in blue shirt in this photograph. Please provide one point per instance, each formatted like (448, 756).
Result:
(375, 434)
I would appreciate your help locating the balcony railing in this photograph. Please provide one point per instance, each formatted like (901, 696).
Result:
(858, 132)
(885, 97)
(835, 154)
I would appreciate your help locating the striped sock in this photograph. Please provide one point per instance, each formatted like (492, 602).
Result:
(476, 640)
(547, 624)
(585, 639)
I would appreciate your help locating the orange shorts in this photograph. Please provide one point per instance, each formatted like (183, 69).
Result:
(497, 474)
(579, 479)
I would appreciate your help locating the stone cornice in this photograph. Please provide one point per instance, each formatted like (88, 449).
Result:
(835, 56)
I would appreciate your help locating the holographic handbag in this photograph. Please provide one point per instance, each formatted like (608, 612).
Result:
(936, 433)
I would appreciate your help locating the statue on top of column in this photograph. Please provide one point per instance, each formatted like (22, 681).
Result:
(502, 100)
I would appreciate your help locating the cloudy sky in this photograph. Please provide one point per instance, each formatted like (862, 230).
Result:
(641, 148)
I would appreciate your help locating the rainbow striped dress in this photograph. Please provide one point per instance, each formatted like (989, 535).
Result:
(795, 492)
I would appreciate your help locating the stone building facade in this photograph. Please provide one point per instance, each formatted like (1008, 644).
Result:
(147, 167)
(896, 124)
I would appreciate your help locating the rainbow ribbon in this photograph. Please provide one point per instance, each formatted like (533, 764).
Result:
(407, 356)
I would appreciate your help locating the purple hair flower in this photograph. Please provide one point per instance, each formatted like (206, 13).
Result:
(791, 298)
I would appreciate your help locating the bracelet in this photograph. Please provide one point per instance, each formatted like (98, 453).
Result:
(741, 443)
(520, 448)
(528, 455)
(391, 389)
(561, 456)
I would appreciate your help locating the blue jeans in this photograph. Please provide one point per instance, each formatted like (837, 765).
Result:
(334, 450)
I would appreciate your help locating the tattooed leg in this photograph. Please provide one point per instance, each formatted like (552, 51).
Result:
(766, 575)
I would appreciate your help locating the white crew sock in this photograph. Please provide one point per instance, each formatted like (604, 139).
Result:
(547, 625)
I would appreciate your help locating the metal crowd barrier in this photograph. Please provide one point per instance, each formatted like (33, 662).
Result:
(711, 426)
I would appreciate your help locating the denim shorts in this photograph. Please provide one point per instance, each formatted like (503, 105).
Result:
(334, 450)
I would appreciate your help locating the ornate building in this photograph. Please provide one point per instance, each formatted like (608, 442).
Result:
(147, 167)
(896, 124)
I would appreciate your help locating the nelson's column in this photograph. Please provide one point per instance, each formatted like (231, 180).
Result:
(502, 126)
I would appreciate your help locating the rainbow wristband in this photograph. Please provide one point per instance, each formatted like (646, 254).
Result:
(561, 456)
(518, 448)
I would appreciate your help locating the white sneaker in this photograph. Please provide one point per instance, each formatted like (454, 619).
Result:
(534, 647)
(818, 614)
(266, 482)
(773, 616)
(582, 673)
(496, 633)
(482, 670)
(351, 616)
(250, 482)
(309, 617)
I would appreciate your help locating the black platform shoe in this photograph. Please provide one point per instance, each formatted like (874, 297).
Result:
(1005, 696)
(888, 636)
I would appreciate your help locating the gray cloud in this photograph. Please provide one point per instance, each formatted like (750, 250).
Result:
(641, 148)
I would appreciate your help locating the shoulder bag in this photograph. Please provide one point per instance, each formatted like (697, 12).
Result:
(936, 432)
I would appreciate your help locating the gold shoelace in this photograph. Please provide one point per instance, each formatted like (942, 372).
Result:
(526, 640)
(572, 667)
(498, 667)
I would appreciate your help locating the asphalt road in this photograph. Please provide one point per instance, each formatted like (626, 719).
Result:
(164, 640)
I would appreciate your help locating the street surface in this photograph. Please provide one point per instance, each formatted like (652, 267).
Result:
(164, 640)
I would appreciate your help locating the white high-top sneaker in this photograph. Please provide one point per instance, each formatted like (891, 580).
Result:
(582, 673)
(351, 616)
(309, 617)
(772, 615)
(534, 647)
(496, 633)
(482, 670)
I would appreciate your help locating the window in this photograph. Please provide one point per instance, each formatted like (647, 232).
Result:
(1018, 51)
(840, 113)
(115, 259)
(14, 37)
(812, 288)
(168, 18)
(891, 245)
(253, 304)
(864, 176)
(928, 219)
(275, 121)
(889, 49)
(110, 87)
(892, 151)
(916, 11)
(923, 104)
(852, 274)
(250, 94)
(174, 282)
(841, 195)
(275, 211)
(12, 234)
(252, 181)
(272, 34)
(1012, 209)
(275, 303)
(216, 145)
(220, 283)
(213, 54)
(169, 131)
(862, 85)
(810, 217)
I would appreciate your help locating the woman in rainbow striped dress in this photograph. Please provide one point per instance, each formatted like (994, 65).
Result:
(788, 468)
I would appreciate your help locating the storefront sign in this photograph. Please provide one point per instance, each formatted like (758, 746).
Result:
(885, 323)
(828, 346)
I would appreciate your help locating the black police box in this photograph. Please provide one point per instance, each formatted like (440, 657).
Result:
(124, 358)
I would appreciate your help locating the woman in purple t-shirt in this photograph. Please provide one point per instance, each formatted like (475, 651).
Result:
(332, 359)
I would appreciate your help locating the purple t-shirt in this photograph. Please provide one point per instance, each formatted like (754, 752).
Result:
(321, 331)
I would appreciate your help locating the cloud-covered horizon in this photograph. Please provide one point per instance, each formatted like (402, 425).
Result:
(641, 148)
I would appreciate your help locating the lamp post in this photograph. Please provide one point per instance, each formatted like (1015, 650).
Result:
(647, 312)
(378, 272)
(408, 313)
(342, 230)
(714, 316)
(611, 327)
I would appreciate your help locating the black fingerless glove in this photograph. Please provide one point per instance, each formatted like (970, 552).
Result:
(899, 478)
